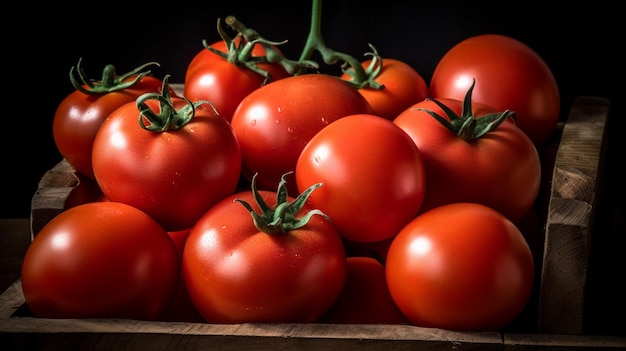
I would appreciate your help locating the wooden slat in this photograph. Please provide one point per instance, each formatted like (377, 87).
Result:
(569, 225)
(100, 334)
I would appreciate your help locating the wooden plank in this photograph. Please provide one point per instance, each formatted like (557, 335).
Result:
(59, 189)
(527, 342)
(569, 225)
(20, 329)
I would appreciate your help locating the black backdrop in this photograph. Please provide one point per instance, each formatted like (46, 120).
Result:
(41, 42)
(578, 43)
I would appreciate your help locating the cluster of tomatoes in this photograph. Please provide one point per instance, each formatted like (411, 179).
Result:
(266, 194)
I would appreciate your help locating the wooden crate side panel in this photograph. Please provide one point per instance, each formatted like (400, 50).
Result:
(534, 342)
(569, 226)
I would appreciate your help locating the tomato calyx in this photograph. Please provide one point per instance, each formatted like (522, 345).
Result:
(466, 126)
(110, 81)
(282, 218)
(168, 118)
(240, 50)
(371, 72)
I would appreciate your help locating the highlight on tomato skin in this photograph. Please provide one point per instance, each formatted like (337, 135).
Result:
(509, 75)
(402, 86)
(467, 158)
(262, 256)
(100, 260)
(462, 267)
(369, 195)
(275, 122)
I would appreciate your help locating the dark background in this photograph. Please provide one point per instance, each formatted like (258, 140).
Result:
(578, 42)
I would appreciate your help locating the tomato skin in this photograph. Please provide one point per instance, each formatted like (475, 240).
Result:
(369, 195)
(276, 121)
(460, 266)
(501, 169)
(78, 117)
(365, 298)
(188, 169)
(100, 260)
(181, 309)
(211, 77)
(236, 274)
(509, 76)
(404, 86)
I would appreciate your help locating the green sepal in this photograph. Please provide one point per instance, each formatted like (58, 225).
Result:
(110, 81)
(168, 118)
(466, 126)
(282, 218)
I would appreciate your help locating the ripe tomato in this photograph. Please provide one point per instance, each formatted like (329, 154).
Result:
(79, 115)
(461, 266)
(181, 309)
(403, 87)
(509, 76)
(100, 260)
(374, 249)
(174, 174)
(236, 272)
(373, 176)
(212, 77)
(276, 121)
(365, 298)
(500, 169)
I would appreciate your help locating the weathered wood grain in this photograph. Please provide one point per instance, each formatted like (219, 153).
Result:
(570, 219)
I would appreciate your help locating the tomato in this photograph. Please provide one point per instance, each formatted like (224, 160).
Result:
(276, 121)
(100, 260)
(403, 87)
(461, 266)
(365, 298)
(500, 169)
(279, 267)
(509, 76)
(373, 176)
(374, 249)
(174, 174)
(181, 309)
(79, 115)
(212, 77)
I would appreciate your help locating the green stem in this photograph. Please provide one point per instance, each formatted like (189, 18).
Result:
(315, 42)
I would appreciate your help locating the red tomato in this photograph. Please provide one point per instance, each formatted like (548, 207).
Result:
(500, 169)
(181, 309)
(276, 121)
(373, 176)
(100, 260)
(212, 77)
(79, 115)
(403, 87)
(174, 175)
(509, 76)
(365, 298)
(237, 273)
(460, 266)
(374, 249)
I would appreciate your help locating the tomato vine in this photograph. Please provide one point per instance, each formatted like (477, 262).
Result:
(240, 54)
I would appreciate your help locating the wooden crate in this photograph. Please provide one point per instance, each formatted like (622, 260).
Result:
(554, 318)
